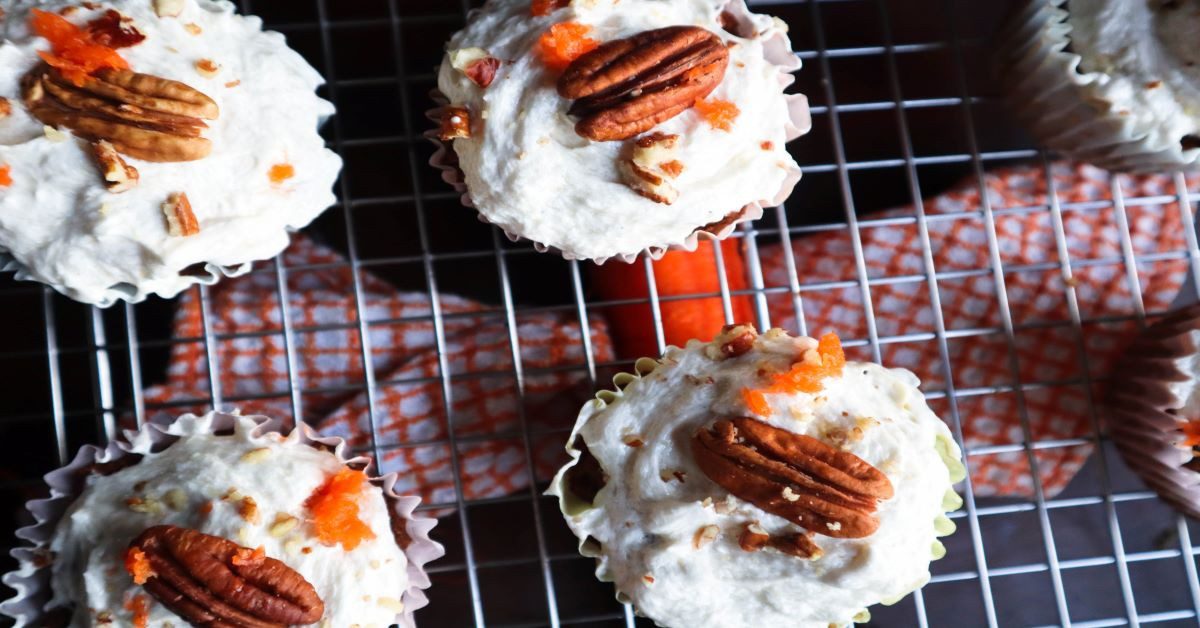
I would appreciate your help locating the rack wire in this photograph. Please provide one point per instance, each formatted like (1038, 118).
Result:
(1093, 556)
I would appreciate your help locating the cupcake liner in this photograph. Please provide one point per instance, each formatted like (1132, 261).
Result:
(31, 579)
(571, 506)
(1142, 408)
(1066, 109)
(777, 50)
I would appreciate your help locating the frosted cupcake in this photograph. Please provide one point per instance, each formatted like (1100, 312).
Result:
(1153, 409)
(602, 129)
(149, 145)
(760, 481)
(1112, 82)
(219, 520)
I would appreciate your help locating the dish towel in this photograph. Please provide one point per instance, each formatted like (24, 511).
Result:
(407, 409)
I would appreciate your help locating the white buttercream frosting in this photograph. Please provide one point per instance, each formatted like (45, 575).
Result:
(61, 225)
(529, 172)
(1144, 56)
(362, 586)
(643, 523)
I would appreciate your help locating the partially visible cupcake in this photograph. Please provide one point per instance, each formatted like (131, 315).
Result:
(603, 128)
(760, 481)
(221, 520)
(1153, 408)
(1112, 82)
(150, 145)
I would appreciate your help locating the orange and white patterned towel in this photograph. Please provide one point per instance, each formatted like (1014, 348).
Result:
(1050, 352)
(409, 415)
(486, 411)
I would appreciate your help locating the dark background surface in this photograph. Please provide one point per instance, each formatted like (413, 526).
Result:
(381, 56)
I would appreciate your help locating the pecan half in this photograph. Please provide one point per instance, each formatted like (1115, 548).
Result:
(793, 476)
(197, 577)
(143, 116)
(629, 86)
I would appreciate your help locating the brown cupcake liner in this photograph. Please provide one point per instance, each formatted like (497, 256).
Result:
(777, 50)
(1065, 108)
(31, 579)
(1142, 410)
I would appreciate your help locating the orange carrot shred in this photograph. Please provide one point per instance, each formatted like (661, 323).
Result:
(138, 566)
(246, 556)
(719, 114)
(139, 605)
(756, 402)
(74, 51)
(1191, 432)
(5, 176)
(563, 43)
(803, 376)
(333, 509)
(281, 172)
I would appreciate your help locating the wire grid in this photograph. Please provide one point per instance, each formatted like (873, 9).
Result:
(543, 581)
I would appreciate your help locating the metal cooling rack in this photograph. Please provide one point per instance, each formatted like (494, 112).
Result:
(907, 71)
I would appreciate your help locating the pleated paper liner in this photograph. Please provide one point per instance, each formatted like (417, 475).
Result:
(777, 50)
(32, 578)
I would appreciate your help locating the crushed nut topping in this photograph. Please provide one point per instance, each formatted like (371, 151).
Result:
(53, 134)
(176, 499)
(118, 175)
(632, 440)
(733, 341)
(256, 455)
(477, 64)
(144, 505)
(168, 8)
(650, 167)
(181, 221)
(705, 535)
(232, 84)
(391, 603)
(5, 107)
(193, 28)
(248, 509)
(455, 123)
(648, 579)
(284, 523)
(208, 68)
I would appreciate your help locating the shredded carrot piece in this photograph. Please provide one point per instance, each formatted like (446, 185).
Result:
(719, 114)
(74, 51)
(139, 605)
(756, 402)
(5, 176)
(802, 377)
(281, 172)
(1191, 432)
(246, 556)
(333, 509)
(563, 43)
(138, 566)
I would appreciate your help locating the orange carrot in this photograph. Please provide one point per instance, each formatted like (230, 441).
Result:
(677, 273)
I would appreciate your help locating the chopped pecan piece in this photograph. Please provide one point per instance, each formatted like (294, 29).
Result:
(143, 116)
(836, 492)
(650, 167)
(755, 538)
(207, 68)
(118, 175)
(629, 86)
(114, 30)
(208, 581)
(477, 64)
(168, 8)
(734, 340)
(181, 221)
(455, 123)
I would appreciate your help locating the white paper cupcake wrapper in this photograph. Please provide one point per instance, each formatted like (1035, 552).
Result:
(570, 506)
(31, 579)
(777, 50)
(1063, 107)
